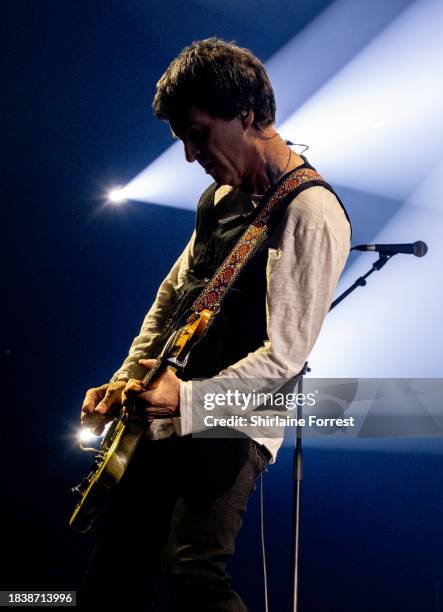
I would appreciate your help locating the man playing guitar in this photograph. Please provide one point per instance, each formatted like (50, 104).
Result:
(175, 514)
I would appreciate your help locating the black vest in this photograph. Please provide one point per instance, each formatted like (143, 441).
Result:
(240, 326)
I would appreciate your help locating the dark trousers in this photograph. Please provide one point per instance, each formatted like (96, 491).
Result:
(170, 526)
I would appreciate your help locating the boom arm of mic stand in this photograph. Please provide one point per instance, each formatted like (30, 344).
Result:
(361, 280)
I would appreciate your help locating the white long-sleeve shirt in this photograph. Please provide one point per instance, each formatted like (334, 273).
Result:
(306, 256)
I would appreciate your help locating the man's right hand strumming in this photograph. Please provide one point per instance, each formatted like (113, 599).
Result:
(101, 404)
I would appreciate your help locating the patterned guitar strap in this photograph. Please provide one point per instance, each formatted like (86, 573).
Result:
(216, 290)
(291, 184)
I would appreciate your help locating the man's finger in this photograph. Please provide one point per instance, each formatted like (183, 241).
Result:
(133, 387)
(95, 422)
(105, 404)
(112, 396)
(130, 393)
(147, 363)
(91, 398)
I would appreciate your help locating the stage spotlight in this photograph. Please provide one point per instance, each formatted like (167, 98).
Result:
(86, 435)
(117, 196)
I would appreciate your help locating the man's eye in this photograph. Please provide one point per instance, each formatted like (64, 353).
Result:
(196, 134)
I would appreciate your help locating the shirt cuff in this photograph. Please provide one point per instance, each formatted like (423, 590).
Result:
(186, 407)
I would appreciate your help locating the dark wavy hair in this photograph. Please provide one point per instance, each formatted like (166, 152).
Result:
(220, 78)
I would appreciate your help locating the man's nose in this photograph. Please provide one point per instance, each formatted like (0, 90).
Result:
(191, 151)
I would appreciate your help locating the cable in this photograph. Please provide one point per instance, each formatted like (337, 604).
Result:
(263, 547)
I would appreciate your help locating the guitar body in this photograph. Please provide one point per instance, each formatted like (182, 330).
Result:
(125, 433)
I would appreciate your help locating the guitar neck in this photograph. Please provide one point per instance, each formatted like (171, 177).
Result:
(156, 371)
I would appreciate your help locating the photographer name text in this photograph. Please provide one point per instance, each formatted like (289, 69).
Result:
(277, 421)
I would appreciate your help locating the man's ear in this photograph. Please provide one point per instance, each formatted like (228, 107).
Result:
(247, 119)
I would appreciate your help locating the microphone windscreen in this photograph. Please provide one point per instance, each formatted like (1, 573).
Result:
(420, 248)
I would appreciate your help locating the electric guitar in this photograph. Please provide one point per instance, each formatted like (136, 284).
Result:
(124, 432)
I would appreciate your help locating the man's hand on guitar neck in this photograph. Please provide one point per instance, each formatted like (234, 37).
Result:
(160, 401)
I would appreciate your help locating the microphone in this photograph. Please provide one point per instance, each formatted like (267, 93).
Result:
(419, 248)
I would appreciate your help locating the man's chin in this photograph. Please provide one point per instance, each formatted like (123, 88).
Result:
(221, 177)
(211, 169)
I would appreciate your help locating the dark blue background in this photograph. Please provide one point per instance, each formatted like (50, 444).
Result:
(78, 80)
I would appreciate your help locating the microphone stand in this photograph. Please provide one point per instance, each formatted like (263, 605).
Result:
(361, 280)
(298, 454)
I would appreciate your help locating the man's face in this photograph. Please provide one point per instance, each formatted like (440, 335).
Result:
(219, 146)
